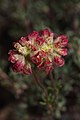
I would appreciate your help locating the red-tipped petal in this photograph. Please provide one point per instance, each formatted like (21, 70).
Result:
(61, 41)
(23, 41)
(58, 61)
(40, 40)
(45, 32)
(18, 66)
(63, 51)
(27, 69)
(48, 69)
(33, 35)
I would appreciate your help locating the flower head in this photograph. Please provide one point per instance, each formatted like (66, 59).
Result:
(40, 49)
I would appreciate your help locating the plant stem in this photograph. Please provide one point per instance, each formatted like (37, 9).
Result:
(52, 80)
(53, 84)
(38, 83)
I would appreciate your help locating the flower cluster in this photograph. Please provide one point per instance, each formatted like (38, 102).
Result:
(38, 48)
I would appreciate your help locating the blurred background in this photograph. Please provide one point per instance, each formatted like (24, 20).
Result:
(19, 99)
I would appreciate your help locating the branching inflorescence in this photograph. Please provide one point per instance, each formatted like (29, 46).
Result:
(39, 49)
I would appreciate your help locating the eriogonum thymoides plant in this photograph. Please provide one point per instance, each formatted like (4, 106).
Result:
(40, 49)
